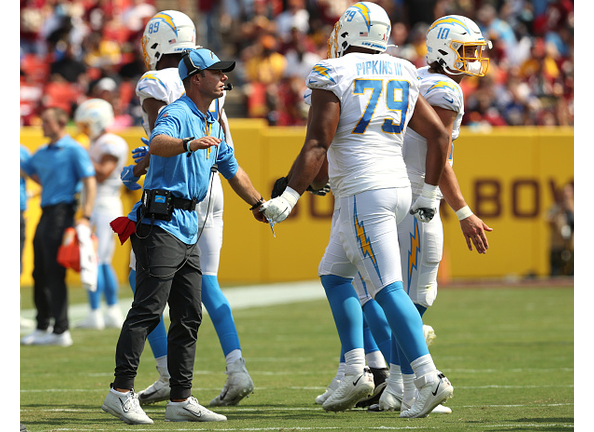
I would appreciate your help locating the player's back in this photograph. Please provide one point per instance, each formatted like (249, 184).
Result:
(377, 94)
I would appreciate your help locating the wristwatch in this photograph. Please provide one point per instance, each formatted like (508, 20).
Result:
(186, 147)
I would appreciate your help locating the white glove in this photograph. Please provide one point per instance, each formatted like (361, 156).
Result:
(278, 209)
(425, 206)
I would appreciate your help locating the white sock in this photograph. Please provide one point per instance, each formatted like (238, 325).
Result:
(355, 361)
(423, 365)
(162, 367)
(233, 356)
(409, 389)
(394, 382)
(340, 371)
(375, 360)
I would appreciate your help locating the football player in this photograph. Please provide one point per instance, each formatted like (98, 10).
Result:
(166, 37)
(362, 101)
(455, 49)
(109, 154)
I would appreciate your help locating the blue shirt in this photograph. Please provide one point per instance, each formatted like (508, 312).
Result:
(60, 168)
(25, 155)
(186, 177)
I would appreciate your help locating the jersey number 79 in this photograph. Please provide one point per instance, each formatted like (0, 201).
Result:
(396, 99)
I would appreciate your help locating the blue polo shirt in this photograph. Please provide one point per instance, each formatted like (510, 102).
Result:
(186, 177)
(60, 168)
(25, 155)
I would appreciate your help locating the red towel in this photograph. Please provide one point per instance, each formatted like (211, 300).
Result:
(123, 227)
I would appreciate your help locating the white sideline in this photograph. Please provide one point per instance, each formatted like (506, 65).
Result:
(239, 298)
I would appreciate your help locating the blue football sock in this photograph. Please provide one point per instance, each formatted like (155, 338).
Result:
(346, 310)
(404, 319)
(110, 283)
(380, 329)
(95, 296)
(219, 310)
(158, 337)
(368, 340)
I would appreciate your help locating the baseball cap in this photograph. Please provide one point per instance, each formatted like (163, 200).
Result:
(201, 59)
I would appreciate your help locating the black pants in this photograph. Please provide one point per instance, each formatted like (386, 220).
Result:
(167, 270)
(49, 278)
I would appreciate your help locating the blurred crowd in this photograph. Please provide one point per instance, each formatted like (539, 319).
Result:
(73, 50)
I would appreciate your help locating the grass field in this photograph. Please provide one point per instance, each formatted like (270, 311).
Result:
(508, 352)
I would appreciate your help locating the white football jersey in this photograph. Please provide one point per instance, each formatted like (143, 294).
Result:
(441, 91)
(166, 85)
(377, 94)
(116, 146)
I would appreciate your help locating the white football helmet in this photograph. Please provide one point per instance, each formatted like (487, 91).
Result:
(363, 24)
(458, 45)
(93, 117)
(168, 32)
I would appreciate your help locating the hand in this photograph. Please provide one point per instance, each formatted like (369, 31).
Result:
(129, 179)
(474, 229)
(279, 187)
(140, 152)
(278, 209)
(425, 207)
(320, 192)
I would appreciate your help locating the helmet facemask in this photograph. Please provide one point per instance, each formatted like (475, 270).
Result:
(470, 60)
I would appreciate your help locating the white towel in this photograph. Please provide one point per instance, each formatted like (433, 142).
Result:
(89, 268)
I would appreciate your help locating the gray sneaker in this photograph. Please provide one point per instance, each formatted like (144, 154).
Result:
(239, 385)
(190, 410)
(156, 392)
(125, 406)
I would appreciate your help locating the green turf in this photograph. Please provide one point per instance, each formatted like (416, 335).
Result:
(507, 351)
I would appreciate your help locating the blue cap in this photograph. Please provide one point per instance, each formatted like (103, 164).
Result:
(201, 59)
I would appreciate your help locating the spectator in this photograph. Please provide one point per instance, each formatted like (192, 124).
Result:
(295, 16)
(66, 67)
(561, 220)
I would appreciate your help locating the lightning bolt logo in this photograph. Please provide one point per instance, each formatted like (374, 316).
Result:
(364, 10)
(364, 242)
(413, 252)
(449, 21)
(323, 71)
(168, 20)
(443, 84)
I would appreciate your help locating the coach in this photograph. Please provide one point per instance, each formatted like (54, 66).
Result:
(187, 146)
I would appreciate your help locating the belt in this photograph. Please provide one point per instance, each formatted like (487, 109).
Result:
(184, 204)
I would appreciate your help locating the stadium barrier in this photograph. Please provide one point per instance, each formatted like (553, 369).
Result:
(508, 176)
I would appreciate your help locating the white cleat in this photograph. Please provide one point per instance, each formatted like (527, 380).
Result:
(35, 335)
(320, 399)
(125, 406)
(93, 321)
(434, 388)
(156, 392)
(239, 385)
(62, 339)
(113, 317)
(352, 388)
(190, 410)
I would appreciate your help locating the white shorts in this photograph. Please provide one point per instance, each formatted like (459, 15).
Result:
(364, 238)
(421, 248)
(105, 210)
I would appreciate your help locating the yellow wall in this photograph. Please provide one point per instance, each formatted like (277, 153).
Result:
(506, 175)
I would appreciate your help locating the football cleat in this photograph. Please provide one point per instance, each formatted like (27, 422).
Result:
(190, 410)
(156, 392)
(380, 377)
(352, 388)
(433, 389)
(93, 321)
(113, 317)
(125, 406)
(320, 399)
(239, 385)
